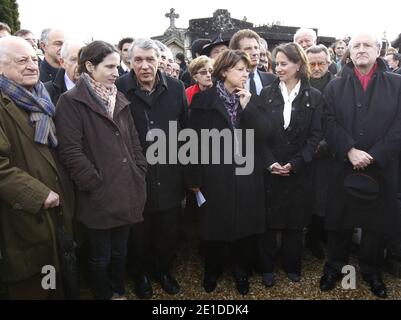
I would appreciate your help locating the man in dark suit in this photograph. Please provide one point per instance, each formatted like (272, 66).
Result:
(123, 46)
(68, 74)
(363, 131)
(249, 41)
(51, 41)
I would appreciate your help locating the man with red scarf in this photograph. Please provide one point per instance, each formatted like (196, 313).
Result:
(363, 130)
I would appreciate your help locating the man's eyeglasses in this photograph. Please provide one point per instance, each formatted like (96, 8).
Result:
(205, 72)
(319, 64)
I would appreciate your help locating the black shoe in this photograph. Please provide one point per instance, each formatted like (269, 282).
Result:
(143, 287)
(294, 277)
(210, 283)
(242, 284)
(168, 283)
(328, 281)
(268, 280)
(377, 285)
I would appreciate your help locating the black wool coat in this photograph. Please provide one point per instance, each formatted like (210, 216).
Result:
(56, 87)
(287, 197)
(369, 121)
(235, 205)
(165, 182)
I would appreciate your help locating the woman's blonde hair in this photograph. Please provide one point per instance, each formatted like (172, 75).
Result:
(198, 63)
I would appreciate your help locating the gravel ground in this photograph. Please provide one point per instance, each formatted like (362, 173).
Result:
(188, 271)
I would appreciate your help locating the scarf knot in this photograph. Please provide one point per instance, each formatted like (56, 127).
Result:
(231, 103)
(105, 96)
(39, 106)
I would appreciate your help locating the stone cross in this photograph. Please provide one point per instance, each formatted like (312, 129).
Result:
(172, 15)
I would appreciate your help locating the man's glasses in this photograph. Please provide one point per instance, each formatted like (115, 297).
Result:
(205, 72)
(319, 64)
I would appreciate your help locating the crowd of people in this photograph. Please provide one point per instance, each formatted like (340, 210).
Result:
(77, 189)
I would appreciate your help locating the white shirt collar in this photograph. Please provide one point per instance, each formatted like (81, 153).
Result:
(68, 83)
(288, 99)
(294, 92)
(124, 66)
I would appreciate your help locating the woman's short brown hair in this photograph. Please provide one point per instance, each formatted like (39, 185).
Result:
(198, 64)
(227, 60)
(294, 52)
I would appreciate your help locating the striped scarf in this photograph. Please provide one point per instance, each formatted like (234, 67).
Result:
(39, 105)
(106, 97)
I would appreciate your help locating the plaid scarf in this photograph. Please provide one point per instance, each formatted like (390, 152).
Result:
(106, 97)
(38, 104)
(230, 101)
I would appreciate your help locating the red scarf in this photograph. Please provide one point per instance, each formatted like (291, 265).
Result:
(191, 91)
(365, 78)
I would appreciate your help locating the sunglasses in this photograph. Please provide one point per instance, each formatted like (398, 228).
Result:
(205, 72)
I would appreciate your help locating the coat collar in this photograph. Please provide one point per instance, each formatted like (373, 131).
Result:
(305, 86)
(348, 70)
(59, 82)
(83, 95)
(210, 101)
(21, 119)
(132, 81)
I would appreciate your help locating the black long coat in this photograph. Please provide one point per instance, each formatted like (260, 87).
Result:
(371, 122)
(287, 197)
(165, 182)
(234, 207)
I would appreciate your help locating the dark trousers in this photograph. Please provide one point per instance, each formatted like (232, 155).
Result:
(153, 242)
(241, 252)
(371, 251)
(107, 252)
(291, 250)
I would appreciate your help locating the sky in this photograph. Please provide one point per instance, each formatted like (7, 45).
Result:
(115, 19)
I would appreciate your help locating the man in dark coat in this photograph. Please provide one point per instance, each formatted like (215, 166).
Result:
(32, 181)
(68, 74)
(123, 46)
(319, 61)
(51, 41)
(249, 41)
(155, 100)
(363, 130)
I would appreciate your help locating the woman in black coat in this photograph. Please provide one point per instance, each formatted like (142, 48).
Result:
(234, 208)
(291, 109)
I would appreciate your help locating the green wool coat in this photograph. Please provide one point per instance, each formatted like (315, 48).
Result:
(28, 171)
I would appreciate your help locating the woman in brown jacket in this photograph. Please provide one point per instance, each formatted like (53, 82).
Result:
(99, 146)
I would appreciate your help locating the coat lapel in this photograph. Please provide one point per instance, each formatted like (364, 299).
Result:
(21, 119)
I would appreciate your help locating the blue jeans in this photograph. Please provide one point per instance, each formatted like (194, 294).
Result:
(107, 252)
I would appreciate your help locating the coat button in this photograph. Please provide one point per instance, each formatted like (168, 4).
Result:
(361, 133)
(359, 105)
(56, 178)
(152, 122)
(117, 133)
(125, 160)
(159, 184)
